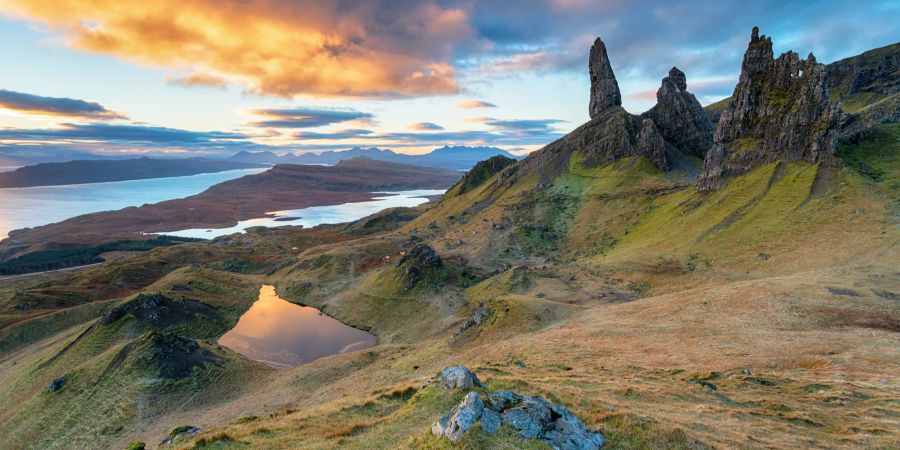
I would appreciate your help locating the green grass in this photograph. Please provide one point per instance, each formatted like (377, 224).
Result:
(877, 157)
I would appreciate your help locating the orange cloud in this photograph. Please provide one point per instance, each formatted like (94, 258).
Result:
(198, 79)
(473, 104)
(282, 48)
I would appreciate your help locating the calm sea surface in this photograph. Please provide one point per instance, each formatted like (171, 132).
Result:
(34, 206)
(317, 215)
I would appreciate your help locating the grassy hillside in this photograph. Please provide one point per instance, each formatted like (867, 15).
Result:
(761, 315)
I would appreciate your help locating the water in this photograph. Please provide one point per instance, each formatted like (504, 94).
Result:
(8, 168)
(34, 206)
(317, 215)
(282, 334)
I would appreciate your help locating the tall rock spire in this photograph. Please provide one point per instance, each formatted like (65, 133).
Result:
(604, 88)
(779, 111)
(679, 116)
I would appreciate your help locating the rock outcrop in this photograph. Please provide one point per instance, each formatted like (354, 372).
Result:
(420, 264)
(170, 355)
(780, 110)
(481, 172)
(604, 88)
(159, 311)
(530, 416)
(680, 118)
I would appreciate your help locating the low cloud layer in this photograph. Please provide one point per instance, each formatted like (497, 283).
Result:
(306, 117)
(54, 106)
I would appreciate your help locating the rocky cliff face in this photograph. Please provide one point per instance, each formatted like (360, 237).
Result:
(875, 71)
(780, 110)
(680, 118)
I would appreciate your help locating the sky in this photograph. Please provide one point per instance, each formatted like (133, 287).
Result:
(213, 77)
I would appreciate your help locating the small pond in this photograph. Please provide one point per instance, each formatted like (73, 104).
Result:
(282, 334)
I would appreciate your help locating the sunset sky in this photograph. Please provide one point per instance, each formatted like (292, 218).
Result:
(213, 77)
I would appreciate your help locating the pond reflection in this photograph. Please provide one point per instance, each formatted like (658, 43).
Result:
(282, 334)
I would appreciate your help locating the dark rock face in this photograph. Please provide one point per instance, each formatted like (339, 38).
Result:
(779, 111)
(617, 134)
(651, 145)
(857, 127)
(680, 118)
(876, 71)
(604, 88)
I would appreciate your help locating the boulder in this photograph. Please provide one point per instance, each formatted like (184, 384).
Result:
(490, 421)
(569, 433)
(461, 419)
(503, 400)
(458, 377)
(531, 417)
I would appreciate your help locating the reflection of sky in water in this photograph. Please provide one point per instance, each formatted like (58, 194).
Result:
(317, 215)
(282, 334)
(34, 206)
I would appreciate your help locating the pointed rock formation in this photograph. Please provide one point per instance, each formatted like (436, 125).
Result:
(604, 88)
(779, 111)
(680, 118)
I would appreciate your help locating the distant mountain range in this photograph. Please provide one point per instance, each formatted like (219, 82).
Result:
(451, 158)
(98, 171)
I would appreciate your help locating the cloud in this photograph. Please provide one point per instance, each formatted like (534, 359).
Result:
(102, 133)
(307, 117)
(474, 104)
(425, 126)
(336, 135)
(55, 106)
(198, 79)
(386, 48)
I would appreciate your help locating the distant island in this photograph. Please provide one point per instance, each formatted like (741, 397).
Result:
(284, 186)
(450, 158)
(99, 171)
